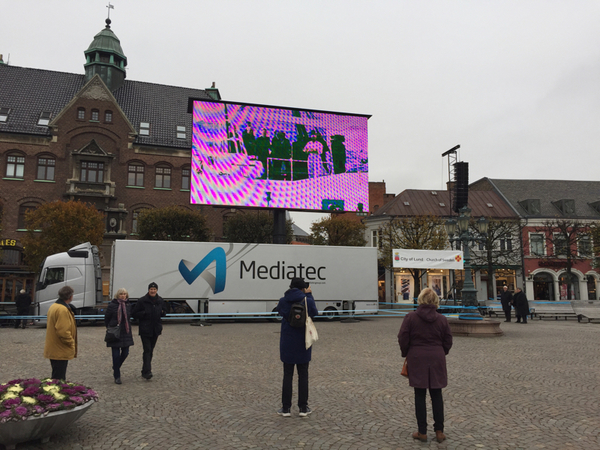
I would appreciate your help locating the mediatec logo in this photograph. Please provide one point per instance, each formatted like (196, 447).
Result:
(189, 272)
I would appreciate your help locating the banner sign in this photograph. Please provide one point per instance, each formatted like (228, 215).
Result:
(427, 259)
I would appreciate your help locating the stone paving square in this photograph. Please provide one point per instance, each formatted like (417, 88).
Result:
(218, 387)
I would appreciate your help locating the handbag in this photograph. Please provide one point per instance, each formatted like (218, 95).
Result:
(113, 334)
(310, 334)
(404, 371)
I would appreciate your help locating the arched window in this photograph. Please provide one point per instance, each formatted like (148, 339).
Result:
(45, 168)
(80, 113)
(163, 177)
(24, 209)
(135, 174)
(15, 165)
(134, 220)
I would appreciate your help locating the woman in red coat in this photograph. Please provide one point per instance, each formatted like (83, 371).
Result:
(425, 340)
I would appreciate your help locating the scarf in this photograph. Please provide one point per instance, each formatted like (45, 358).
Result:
(122, 311)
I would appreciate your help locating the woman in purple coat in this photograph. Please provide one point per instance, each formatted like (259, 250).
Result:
(425, 340)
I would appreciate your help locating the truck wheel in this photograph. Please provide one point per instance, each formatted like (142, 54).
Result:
(330, 313)
(276, 318)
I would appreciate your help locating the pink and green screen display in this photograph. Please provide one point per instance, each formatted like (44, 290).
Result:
(271, 157)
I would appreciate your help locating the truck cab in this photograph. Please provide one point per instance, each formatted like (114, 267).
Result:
(79, 268)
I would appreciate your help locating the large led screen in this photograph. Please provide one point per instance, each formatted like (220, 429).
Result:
(271, 157)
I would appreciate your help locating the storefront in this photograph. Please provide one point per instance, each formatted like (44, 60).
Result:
(14, 275)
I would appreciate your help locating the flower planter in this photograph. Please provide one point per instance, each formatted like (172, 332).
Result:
(42, 427)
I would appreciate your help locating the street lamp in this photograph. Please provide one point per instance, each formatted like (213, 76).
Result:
(460, 227)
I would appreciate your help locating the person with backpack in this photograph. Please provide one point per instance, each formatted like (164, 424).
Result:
(293, 307)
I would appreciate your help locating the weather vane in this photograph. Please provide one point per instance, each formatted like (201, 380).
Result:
(109, 8)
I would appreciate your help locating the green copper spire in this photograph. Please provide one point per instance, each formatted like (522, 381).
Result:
(105, 57)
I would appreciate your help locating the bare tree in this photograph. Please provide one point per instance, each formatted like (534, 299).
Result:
(567, 240)
(498, 248)
(414, 233)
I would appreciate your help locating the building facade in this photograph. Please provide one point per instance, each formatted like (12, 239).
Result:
(555, 218)
(411, 203)
(97, 137)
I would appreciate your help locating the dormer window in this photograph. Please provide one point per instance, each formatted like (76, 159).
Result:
(531, 206)
(406, 203)
(442, 204)
(181, 132)
(4, 114)
(44, 119)
(565, 206)
(433, 193)
(144, 129)
(80, 113)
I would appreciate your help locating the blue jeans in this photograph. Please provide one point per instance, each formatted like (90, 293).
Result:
(119, 355)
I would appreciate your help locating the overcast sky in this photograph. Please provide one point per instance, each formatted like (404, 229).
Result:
(515, 82)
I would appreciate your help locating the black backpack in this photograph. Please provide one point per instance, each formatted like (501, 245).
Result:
(297, 317)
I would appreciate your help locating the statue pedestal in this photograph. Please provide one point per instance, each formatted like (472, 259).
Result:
(475, 328)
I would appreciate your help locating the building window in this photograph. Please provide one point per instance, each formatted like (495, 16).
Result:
(24, 209)
(4, 114)
(585, 246)
(95, 115)
(536, 242)
(144, 129)
(181, 132)
(15, 166)
(163, 177)
(108, 116)
(135, 175)
(506, 244)
(560, 244)
(134, 220)
(45, 170)
(44, 119)
(185, 179)
(376, 238)
(92, 172)
(81, 113)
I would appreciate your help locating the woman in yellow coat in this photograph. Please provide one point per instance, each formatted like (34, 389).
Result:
(61, 334)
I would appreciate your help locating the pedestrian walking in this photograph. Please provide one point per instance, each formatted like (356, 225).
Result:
(149, 310)
(23, 302)
(61, 334)
(118, 314)
(425, 339)
(521, 305)
(292, 348)
(506, 300)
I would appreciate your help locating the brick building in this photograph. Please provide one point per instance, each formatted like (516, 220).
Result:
(121, 145)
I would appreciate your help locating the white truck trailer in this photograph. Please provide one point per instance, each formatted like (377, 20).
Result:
(218, 278)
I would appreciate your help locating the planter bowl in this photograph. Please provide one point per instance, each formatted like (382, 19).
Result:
(42, 427)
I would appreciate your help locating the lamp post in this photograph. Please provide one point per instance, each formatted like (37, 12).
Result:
(460, 227)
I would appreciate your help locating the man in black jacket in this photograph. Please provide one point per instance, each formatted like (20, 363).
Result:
(506, 299)
(148, 310)
(23, 301)
(521, 305)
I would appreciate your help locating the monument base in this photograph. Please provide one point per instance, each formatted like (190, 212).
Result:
(475, 328)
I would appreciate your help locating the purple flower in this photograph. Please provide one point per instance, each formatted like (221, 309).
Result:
(6, 413)
(69, 391)
(68, 404)
(78, 400)
(11, 402)
(38, 409)
(21, 410)
(52, 406)
(45, 398)
(31, 390)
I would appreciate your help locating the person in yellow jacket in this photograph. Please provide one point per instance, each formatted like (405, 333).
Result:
(61, 334)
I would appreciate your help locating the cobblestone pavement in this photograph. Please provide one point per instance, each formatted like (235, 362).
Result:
(219, 387)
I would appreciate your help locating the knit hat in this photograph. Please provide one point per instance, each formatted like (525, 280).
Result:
(152, 285)
(298, 283)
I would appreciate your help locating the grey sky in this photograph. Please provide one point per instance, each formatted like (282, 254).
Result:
(516, 83)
